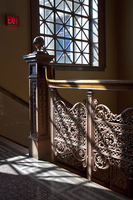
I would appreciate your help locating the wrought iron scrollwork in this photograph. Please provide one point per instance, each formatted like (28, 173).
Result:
(33, 85)
(113, 139)
(70, 126)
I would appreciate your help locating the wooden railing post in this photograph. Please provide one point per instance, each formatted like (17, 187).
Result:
(39, 139)
(89, 133)
(52, 123)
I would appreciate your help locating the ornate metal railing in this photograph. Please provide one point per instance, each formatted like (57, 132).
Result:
(86, 136)
(113, 134)
(69, 133)
(113, 139)
(89, 137)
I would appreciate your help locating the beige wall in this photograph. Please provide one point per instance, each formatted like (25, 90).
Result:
(125, 50)
(14, 43)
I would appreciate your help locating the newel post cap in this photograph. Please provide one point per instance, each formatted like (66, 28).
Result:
(39, 56)
(38, 42)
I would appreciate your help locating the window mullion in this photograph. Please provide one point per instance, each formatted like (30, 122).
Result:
(90, 33)
(81, 35)
(55, 37)
(64, 34)
(73, 41)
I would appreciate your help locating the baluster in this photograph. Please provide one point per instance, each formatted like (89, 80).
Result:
(52, 123)
(89, 133)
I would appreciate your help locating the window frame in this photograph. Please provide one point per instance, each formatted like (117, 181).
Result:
(35, 31)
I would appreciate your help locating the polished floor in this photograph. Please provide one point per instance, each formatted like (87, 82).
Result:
(25, 178)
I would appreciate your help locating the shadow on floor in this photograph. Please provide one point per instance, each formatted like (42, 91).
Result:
(25, 178)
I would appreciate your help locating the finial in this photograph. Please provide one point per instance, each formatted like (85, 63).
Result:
(38, 42)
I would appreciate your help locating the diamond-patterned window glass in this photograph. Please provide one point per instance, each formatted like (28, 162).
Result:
(70, 30)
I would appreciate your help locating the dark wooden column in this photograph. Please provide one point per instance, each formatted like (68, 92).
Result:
(39, 139)
(89, 133)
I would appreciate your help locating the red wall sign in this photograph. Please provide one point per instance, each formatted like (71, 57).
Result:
(12, 20)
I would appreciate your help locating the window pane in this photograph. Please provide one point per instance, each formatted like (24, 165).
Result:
(95, 52)
(67, 30)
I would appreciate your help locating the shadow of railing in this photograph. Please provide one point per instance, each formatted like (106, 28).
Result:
(24, 177)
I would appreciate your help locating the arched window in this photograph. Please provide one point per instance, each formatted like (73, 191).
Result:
(73, 31)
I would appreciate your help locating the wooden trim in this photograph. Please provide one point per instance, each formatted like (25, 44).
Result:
(16, 98)
(102, 38)
(77, 67)
(116, 85)
(34, 5)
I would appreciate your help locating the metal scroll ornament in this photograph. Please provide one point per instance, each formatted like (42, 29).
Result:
(113, 139)
(33, 85)
(70, 126)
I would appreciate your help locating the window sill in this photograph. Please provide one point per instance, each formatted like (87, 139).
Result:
(68, 67)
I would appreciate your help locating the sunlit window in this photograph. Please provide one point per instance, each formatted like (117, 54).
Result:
(71, 31)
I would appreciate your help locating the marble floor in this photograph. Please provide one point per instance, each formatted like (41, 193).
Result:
(25, 178)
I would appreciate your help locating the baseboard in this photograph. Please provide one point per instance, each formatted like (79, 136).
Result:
(13, 96)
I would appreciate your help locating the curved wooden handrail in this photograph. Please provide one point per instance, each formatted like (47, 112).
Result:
(117, 85)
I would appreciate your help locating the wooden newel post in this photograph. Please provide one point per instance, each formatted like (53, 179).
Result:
(39, 139)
